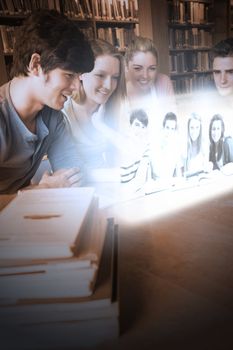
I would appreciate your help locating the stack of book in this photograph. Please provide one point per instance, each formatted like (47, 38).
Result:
(57, 271)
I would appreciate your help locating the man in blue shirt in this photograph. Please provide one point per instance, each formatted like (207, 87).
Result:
(49, 54)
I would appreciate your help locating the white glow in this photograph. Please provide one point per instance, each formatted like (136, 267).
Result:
(168, 202)
(168, 198)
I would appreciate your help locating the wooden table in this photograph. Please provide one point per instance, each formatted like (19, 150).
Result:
(5, 199)
(176, 273)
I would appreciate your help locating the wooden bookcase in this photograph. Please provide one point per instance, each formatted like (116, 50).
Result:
(221, 20)
(113, 20)
(184, 32)
(190, 32)
(230, 18)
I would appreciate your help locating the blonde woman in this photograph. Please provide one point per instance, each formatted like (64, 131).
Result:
(147, 88)
(93, 111)
(142, 70)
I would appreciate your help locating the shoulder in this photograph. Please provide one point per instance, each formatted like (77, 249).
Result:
(163, 84)
(228, 141)
(52, 118)
(162, 79)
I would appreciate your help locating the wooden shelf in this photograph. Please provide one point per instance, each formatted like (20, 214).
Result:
(190, 49)
(92, 26)
(177, 75)
(190, 25)
(114, 21)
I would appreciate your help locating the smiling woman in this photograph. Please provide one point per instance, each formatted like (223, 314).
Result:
(221, 148)
(147, 87)
(97, 99)
(143, 77)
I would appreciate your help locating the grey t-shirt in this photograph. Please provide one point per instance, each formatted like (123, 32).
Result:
(21, 151)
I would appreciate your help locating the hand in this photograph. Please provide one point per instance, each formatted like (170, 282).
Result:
(61, 178)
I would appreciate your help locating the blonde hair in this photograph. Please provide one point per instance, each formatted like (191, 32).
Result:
(101, 48)
(140, 44)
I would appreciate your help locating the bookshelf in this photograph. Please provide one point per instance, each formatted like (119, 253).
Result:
(183, 33)
(230, 12)
(190, 38)
(113, 20)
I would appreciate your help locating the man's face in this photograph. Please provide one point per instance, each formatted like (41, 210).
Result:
(58, 84)
(142, 70)
(138, 128)
(169, 128)
(223, 75)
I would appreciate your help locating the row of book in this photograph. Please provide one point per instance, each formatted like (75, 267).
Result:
(58, 271)
(190, 61)
(188, 84)
(7, 37)
(194, 12)
(119, 37)
(73, 8)
(189, 38)
(119, 10)
(79, 9)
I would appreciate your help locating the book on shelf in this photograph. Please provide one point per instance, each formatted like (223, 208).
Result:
(96, 10)
(52, 246)
(64, 322)
(189, 12)
(7, 38)
(116, 8)
(189, 38)
(181, 62)
(119, 10)
(109, 10)
(88, 8)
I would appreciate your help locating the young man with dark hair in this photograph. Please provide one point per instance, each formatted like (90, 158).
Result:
(50, 52)
(138, 122)
(167, 160)
(222, 55)
(170, 122)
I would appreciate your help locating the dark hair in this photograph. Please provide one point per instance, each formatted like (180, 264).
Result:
(213, 157)
(170, 116)
(57, 40)
(224, 48)
(139, 114)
